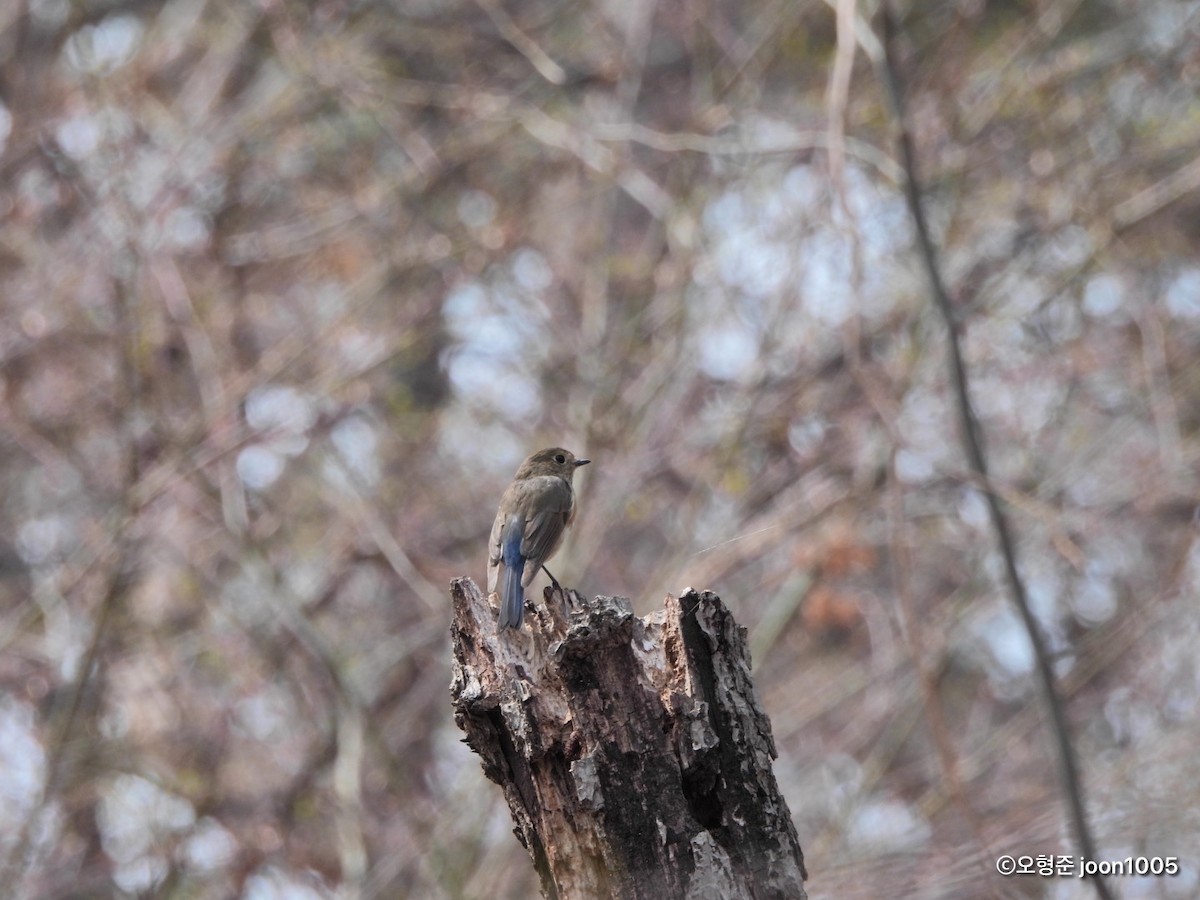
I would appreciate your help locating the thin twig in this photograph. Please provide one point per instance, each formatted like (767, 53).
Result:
(1145, 203)
(523, 43)
(742, 142)
(973, 445)
(838, 98)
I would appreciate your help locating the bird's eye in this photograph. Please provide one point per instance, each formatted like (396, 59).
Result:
(560, 459)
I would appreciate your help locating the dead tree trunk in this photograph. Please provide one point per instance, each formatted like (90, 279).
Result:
(633, 753)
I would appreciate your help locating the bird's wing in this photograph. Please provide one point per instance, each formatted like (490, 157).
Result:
(495, 551)
(545, 529)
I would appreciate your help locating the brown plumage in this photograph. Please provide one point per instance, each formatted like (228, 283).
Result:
(533, 516)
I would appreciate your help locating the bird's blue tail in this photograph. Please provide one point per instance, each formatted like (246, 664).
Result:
(512, 592)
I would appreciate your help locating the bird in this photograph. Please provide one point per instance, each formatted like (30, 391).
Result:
(534, 513)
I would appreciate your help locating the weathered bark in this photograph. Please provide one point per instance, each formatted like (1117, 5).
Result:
(633, 754)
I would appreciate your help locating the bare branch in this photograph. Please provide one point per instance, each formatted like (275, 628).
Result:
(972, 439)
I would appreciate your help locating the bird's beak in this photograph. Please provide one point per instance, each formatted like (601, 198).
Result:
(581, 462)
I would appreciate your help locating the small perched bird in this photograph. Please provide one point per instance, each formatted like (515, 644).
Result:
(534, 513)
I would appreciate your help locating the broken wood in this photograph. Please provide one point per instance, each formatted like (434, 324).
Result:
(633, 754)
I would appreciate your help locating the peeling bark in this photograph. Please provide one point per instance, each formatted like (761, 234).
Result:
(633, 753)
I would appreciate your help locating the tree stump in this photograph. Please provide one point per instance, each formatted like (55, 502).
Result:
(633, 754)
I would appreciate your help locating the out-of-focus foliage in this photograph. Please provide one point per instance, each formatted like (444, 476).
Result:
(287, 289)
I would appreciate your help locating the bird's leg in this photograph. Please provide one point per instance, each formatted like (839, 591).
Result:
(563, 595)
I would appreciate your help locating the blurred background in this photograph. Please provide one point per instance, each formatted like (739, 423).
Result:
(288, 289)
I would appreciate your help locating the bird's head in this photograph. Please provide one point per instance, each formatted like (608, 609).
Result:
(551, 461)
